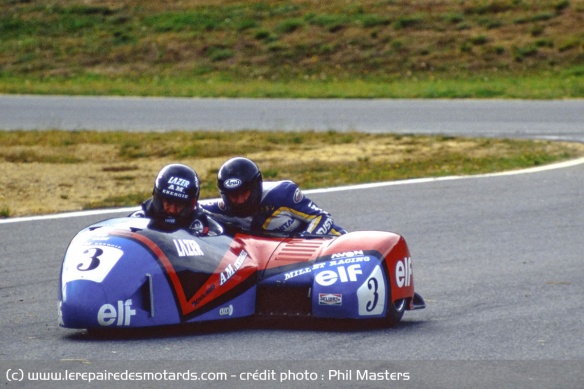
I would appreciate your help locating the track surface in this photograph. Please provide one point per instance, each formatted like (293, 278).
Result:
(516, 118)
(498, 260)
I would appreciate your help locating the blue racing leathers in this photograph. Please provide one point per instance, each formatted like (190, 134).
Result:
(283, 208)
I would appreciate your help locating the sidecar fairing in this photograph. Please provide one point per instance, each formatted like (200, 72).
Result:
(120, 273)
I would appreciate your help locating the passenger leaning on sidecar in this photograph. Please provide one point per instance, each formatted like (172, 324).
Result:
(174, 203)
(249, 203)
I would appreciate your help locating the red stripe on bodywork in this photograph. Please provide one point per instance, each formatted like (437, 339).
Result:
(212, 288)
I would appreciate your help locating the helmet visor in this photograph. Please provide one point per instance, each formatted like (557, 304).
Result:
(239, 197)
(173, 207)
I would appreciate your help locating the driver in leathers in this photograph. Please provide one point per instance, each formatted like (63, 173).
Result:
(174, 203)
(251, 204)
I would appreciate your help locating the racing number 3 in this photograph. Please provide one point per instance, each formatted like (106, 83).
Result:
(372, 294)
(372, 285)
(91, 259)
(92, 263)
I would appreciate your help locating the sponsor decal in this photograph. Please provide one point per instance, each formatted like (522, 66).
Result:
(232, 183)
(175, 193)
(198, 300)
(340, 273)
(326, 227)
(198, 226)
(226, 311)
(348, 260)
(187, 248)
(285, 225)
(403, 272)
(122, 316)
(170, 220)
(330, 299)
(179, 182)
(176, 187)
(232, 268)
(298, 196)
(296, 273)
(348, 254)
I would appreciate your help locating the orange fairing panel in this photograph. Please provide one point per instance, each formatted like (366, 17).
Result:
(273, 252)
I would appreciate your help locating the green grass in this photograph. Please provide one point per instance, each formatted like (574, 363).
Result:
(294, 48)
(544, 86)
(4, 212)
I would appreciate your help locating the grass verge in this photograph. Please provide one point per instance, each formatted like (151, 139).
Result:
(569, 84)
(55, 171)
(294, 48)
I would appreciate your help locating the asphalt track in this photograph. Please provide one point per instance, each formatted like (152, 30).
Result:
(498, 259)
(551, 119)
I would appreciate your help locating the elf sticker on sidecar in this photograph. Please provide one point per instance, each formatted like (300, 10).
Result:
(403, 272)
(122, 316)
(340, 273)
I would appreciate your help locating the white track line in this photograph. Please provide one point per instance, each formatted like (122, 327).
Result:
(538, 169)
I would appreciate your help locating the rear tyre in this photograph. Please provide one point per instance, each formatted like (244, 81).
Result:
(395, 312)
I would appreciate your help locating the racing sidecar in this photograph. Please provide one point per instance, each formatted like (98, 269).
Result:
(120, 273)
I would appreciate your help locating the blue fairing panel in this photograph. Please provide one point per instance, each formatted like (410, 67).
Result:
(349, 288)
(114, 283)
(241, 306)
(341, 286)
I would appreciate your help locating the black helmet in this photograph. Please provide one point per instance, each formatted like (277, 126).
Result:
(175, 195)
(236, 177)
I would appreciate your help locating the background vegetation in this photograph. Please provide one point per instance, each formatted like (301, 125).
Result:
(294, 48)
(52, 171)
(274, 48)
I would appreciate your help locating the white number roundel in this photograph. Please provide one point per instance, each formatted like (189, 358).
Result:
(90, 263)
(372, 294)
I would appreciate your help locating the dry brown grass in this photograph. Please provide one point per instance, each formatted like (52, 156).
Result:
(71, 173)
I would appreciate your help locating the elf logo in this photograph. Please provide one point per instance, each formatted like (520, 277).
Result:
(341, 273)
(108, 314)
(403, 272)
